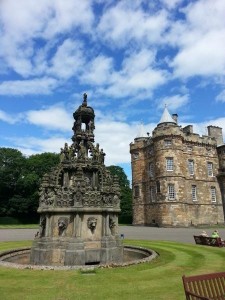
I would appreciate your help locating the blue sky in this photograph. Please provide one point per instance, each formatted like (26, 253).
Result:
(130, 57)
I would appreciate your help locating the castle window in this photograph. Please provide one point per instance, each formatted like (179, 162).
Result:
(158, 186)
(171, 191)
(136, 191)
(210, 168)
(167, 143)
(152, 193)
(189, 148)
(213, 194)
(191, 166)
(151, 169)
(194, 192)
(169, 163)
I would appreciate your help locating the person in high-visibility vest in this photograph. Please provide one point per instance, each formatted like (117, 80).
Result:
(215, 234)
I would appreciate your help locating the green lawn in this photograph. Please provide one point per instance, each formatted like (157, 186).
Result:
(19, 226)
(160, 279)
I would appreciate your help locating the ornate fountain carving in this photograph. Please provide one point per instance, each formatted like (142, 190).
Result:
(79, 203)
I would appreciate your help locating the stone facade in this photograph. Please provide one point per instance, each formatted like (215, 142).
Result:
(79, 204)
(178, 177)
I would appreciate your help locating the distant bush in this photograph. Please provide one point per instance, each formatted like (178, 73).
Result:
(9, 221)
(125, 219)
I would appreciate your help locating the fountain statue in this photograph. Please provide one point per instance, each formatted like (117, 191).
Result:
(79, 204)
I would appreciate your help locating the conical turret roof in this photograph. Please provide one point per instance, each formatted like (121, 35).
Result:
(166, 117)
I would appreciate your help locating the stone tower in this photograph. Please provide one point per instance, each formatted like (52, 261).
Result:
(178, 177)
(221, 171)
(79, 204)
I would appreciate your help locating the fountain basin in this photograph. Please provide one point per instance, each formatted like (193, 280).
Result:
(20, 259)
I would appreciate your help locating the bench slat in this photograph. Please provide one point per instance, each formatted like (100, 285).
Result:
(206, 286)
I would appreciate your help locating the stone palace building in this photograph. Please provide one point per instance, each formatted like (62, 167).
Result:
(178, 176)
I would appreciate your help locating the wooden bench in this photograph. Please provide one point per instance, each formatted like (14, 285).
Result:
(207, 286)
(208, 241)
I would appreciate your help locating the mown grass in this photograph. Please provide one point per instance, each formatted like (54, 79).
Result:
(18, 226)
(159, 279)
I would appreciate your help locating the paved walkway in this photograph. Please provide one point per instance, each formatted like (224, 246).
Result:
(130, 232)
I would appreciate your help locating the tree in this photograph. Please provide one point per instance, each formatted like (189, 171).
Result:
(36, 166)
(11, 167)
(126, 194)
(20, 178)
(40, 164)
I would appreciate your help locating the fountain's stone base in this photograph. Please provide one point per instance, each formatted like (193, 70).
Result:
(70, 251)
(20, 259)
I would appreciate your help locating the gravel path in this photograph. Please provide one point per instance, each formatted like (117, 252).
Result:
(130, 232)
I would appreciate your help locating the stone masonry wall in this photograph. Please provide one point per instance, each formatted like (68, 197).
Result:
(182, 210)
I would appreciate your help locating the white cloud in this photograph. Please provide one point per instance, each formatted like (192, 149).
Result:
(25, 24)
(9, 118)
(68, 59)
(199, 39)
(52, 118)
(171, 4)
(205, 57)
(137, 75)
(98, 70)
(39, 86)
(32, 145)
(174, 102)
(125, 22)
(138, 61)
(221, 96)
(67, 15)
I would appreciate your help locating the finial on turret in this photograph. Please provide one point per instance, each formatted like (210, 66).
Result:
(85, 100)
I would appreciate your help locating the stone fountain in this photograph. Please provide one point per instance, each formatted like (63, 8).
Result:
(79, 204)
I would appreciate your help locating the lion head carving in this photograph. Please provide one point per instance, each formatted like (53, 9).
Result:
(62, 225)
(92, 223)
